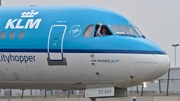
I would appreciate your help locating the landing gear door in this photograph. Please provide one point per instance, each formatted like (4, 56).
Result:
(55, 42)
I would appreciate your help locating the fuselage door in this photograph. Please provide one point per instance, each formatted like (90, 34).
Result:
(55, 42)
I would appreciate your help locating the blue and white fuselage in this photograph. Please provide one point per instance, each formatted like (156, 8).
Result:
(57, 48)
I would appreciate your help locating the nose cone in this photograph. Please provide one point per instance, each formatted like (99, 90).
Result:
(163, 64)
(147, 64)
(152, 61)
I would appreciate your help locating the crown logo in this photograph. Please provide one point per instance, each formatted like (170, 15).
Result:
(30, 14)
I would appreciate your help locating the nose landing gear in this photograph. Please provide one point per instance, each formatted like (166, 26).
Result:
(93, 99)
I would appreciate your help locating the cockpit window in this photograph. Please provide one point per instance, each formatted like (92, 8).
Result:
(139, 32)
(88, 31)
(102, 31)
(97, 30)
(123, 30)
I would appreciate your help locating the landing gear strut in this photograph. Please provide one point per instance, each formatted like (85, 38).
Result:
(93, 99)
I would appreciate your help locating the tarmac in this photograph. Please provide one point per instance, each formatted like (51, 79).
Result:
(149, 97)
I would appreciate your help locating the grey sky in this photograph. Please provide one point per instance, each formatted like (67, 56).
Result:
(157, 19)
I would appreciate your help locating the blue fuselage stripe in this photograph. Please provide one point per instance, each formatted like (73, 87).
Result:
(83, 51)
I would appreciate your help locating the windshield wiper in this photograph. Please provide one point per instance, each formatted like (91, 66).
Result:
(130, 35)
(143, 36)
(127, 35)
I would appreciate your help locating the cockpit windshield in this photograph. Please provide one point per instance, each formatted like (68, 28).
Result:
(139, 32)
(123, 30)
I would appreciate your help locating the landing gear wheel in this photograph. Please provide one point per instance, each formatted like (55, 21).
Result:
(93, 99)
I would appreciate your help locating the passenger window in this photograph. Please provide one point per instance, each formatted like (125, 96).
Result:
(12, 35)
(88, 31)
(21, 35)
(3, 34)
(102, 31)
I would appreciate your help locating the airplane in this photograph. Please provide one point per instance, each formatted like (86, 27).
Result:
(57, 47)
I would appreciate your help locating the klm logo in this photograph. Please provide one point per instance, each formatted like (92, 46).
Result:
(16, 24)
(29, 23)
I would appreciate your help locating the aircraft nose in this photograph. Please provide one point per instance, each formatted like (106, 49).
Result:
(163, 64)
(151, 59)
(152, 64)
